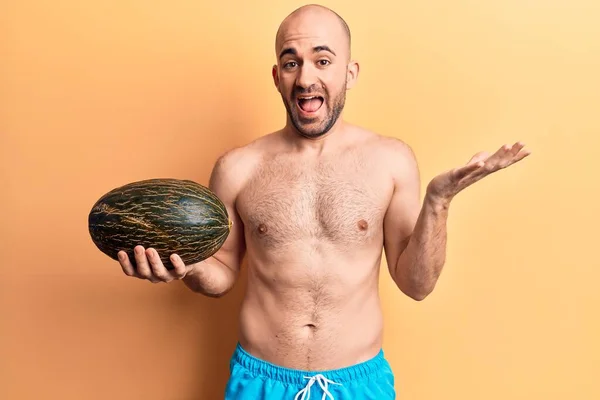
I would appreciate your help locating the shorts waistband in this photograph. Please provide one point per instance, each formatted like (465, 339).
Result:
(355, 372)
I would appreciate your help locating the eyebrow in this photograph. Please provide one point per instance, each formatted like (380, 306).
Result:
(316, 49)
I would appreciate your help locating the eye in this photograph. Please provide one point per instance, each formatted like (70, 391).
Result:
(290, 64)
(324, 63)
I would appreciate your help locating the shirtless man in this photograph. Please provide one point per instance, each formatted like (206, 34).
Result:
(313, 205)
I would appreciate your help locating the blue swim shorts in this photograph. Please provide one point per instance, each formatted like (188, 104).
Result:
(255, 379)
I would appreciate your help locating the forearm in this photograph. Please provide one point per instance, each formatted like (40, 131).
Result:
(211, 278)
(420, 264)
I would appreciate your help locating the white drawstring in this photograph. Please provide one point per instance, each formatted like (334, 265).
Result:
(322, 381)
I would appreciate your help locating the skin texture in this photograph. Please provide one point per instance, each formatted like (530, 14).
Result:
(313, 205)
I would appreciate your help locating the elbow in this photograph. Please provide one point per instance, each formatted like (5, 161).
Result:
(214, 295)
(418, 286)
(417, 281)
(213, 292)
(419, 295)
(217, 291)
(418, 292)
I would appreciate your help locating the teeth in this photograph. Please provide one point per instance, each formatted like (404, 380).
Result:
(308, 98)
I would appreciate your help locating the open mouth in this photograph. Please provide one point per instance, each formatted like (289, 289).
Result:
(310, 104)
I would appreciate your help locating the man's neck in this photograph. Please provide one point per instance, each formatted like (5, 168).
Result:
(319, 145)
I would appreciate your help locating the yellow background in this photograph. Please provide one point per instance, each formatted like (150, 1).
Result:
(97, 94)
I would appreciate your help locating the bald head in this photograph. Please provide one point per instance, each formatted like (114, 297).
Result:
(313, 18)
(314, 69)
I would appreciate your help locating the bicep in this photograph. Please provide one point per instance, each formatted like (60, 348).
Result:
(225, 185)
(404, 207)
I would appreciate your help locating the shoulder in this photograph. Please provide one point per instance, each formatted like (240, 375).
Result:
(393, 158)
(402, 163)
(237, 164)
(395, 153)
(396, 149)
(398, 159)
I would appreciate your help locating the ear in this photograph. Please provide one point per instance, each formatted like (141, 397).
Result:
(352, 74)
(275, 74)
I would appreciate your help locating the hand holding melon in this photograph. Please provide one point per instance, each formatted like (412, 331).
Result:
(161, 217)
(149, 266)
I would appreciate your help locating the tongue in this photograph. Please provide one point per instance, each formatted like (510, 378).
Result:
(311, 105)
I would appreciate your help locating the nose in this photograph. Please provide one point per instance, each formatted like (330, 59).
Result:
(306, 76)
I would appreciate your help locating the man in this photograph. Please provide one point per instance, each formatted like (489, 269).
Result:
(313, 205)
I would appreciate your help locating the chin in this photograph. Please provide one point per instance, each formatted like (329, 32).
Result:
(311, 129)
(315, 126)
(313, 133)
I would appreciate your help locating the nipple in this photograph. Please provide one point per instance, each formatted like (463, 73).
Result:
(262, 229)
(363, 225)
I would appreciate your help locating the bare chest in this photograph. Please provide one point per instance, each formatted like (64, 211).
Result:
(341, 201)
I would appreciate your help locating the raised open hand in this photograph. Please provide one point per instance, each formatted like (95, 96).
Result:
(448, 184)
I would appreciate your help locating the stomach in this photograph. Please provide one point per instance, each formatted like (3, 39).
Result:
(314, 311)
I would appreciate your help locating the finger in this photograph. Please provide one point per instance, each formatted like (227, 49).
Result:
(519, 152)
(126, 264)
(516, 154)
(499, 155)
(508, 158)
(500, 159)
(522, 155)
(142, 266)
(180, 270)
(516, 148)
(157, 266)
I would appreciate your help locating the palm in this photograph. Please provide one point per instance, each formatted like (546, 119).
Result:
(450, 183)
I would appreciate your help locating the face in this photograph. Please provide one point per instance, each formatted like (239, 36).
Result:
(313, 74)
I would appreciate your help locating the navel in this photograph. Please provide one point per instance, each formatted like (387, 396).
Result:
(309, 330)
(363, 225)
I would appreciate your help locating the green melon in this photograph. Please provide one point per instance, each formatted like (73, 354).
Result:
(169, 215)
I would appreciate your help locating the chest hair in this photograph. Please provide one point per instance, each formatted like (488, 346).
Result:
(340, 201)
